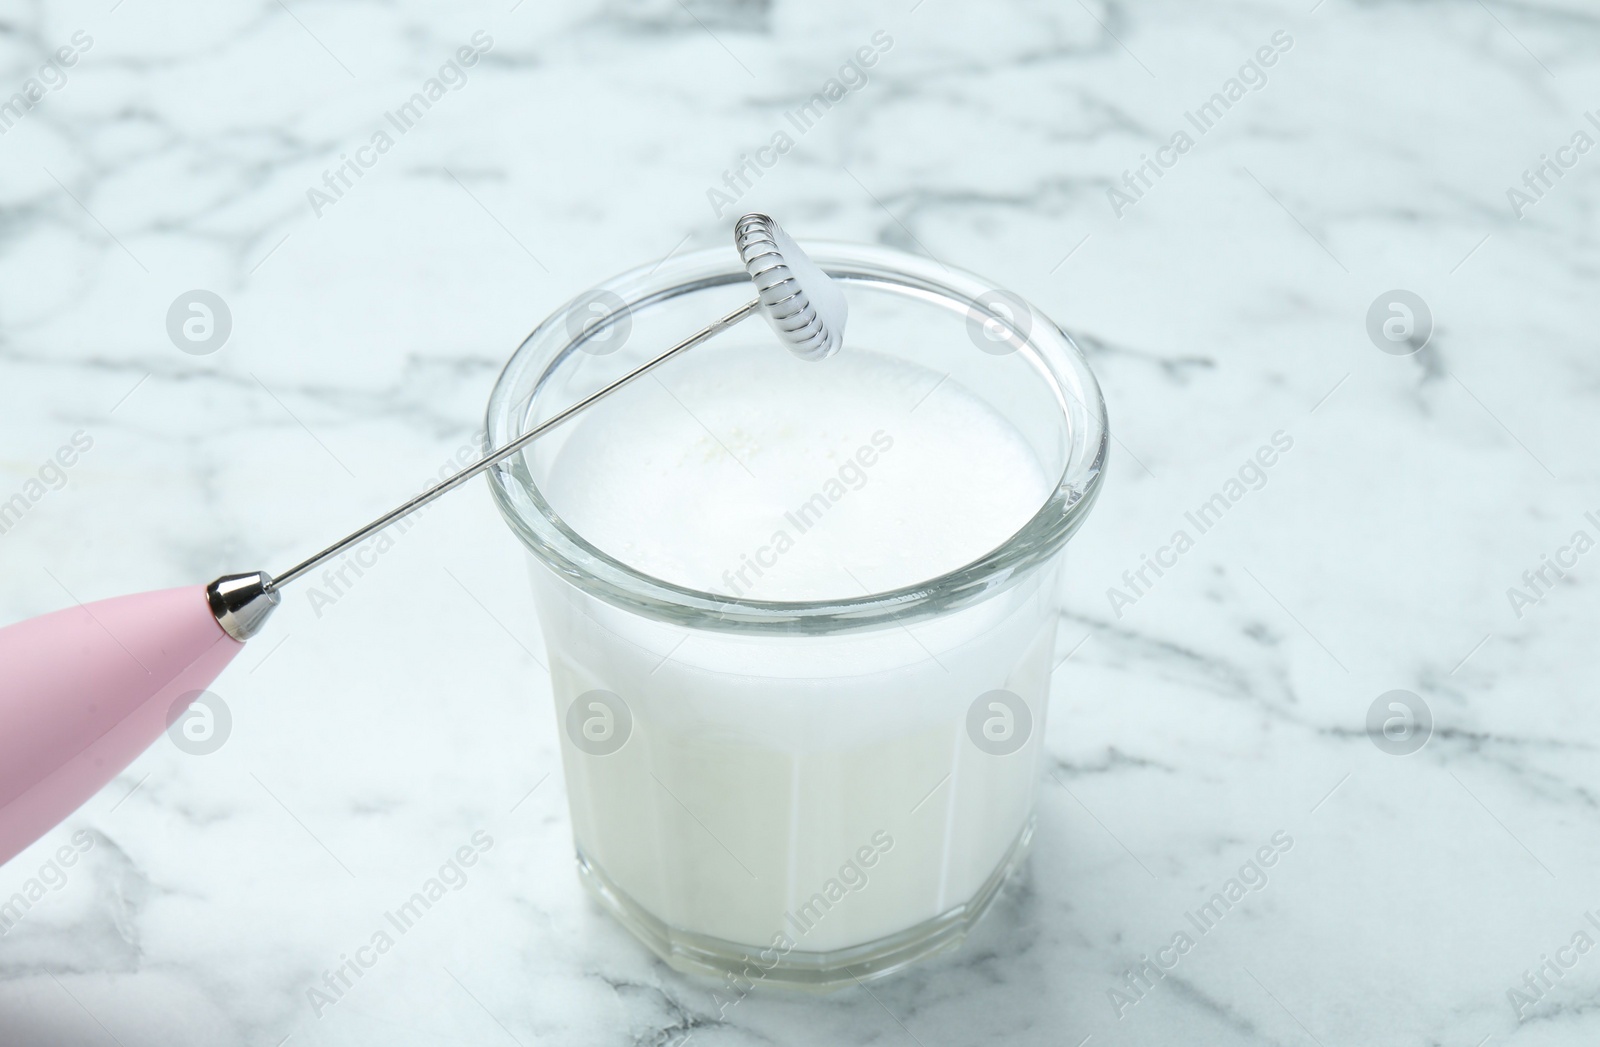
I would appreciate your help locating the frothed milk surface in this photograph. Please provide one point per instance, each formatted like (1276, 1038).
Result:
(758, 475)
(800, 793)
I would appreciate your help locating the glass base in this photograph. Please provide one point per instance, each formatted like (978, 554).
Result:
(720, 959)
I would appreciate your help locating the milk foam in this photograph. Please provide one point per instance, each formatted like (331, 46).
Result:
(754, 474)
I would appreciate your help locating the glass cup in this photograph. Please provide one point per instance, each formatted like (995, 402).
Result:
(802, 793)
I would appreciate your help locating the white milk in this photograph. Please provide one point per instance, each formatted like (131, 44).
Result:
(822, 790)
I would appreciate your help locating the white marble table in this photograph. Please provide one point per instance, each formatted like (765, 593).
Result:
(1227, 702)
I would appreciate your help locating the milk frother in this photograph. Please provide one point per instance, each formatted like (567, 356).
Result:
(85, 690)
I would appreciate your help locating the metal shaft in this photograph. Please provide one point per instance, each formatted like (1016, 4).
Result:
(500, 454)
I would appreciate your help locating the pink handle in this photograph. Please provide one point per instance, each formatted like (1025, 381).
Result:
(86, 690)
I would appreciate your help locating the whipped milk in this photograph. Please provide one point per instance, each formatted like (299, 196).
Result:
(807, 794)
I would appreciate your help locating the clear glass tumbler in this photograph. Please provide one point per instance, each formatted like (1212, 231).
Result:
(803, 793)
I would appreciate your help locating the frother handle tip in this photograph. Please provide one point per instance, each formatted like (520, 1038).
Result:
(85, 690)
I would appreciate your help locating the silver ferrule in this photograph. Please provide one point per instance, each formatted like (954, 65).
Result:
(243, 602)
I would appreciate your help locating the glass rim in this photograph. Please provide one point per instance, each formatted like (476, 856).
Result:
(1054, 357)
